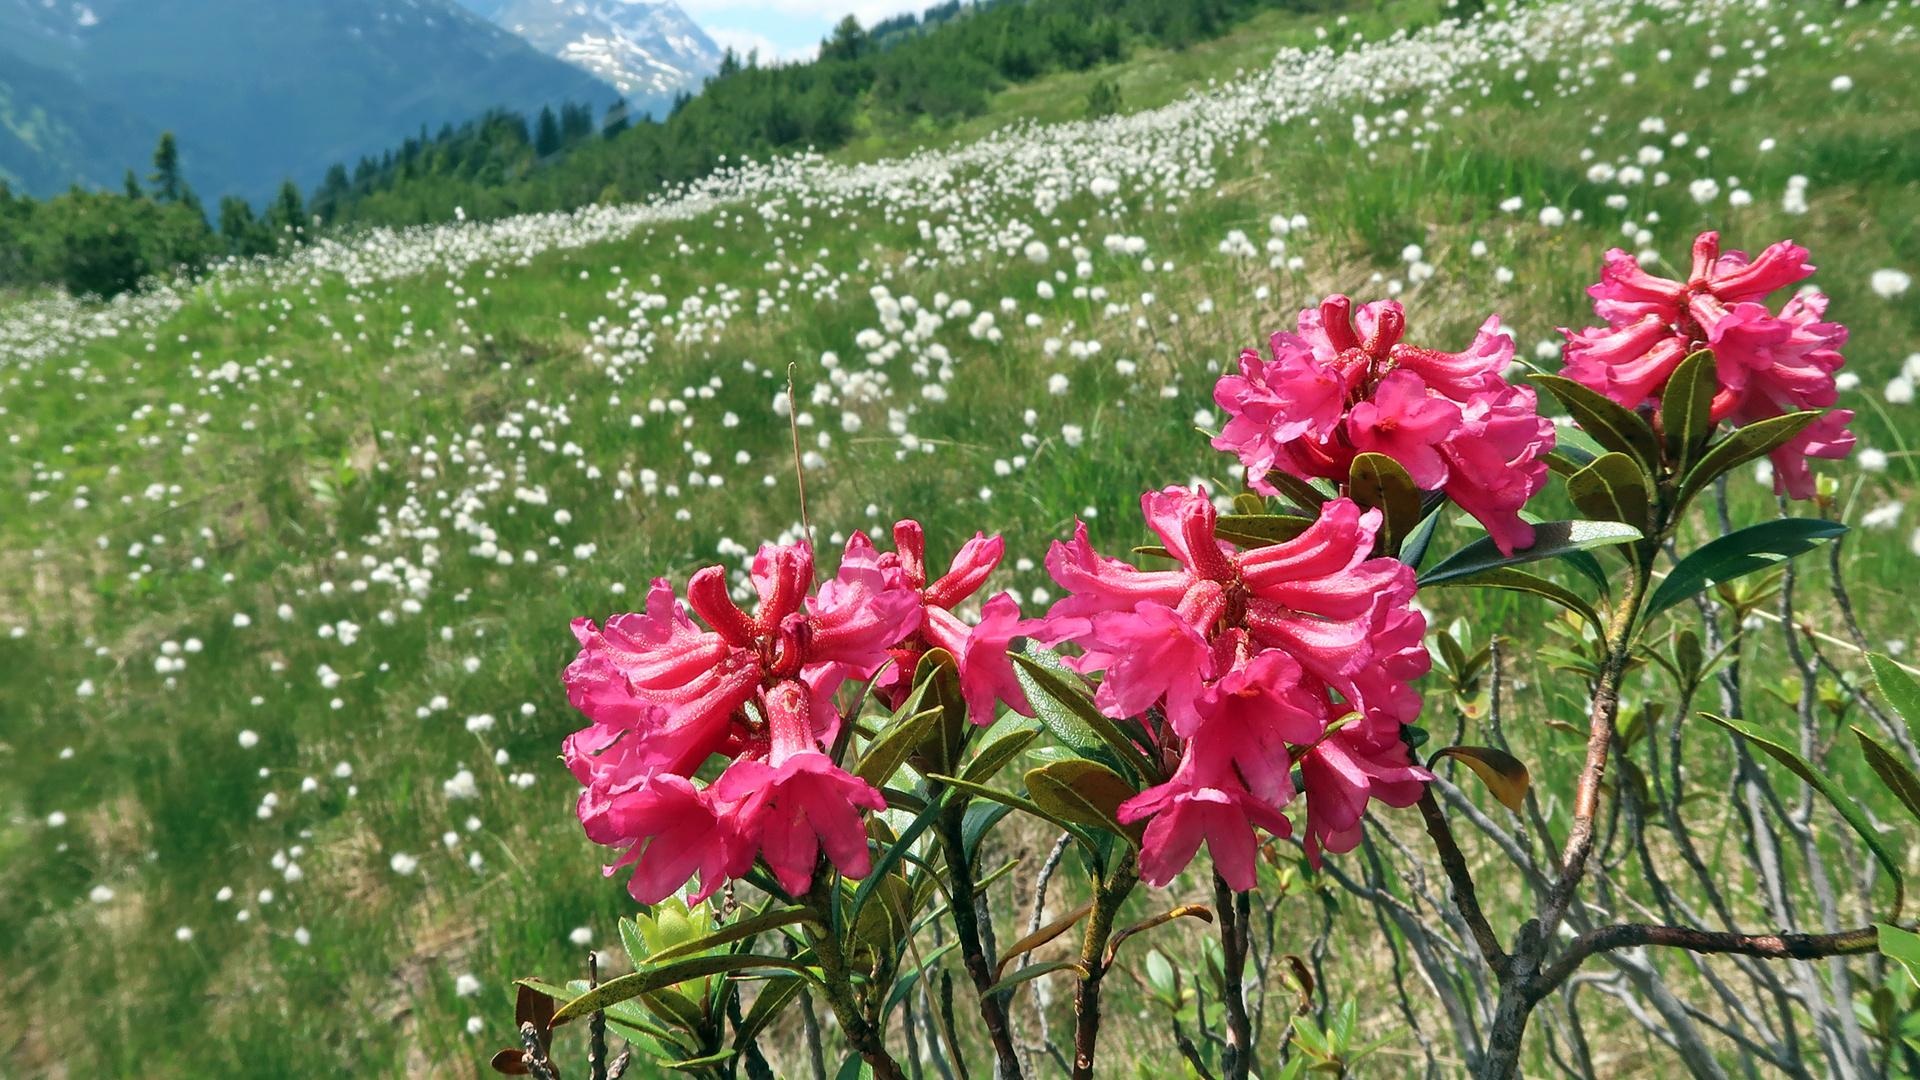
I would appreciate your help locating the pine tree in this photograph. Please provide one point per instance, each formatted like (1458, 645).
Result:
(133, 186)
(849, 41)
(288, 214)
(165, 178)
(616, 120)
(576, 122)
(546, 139)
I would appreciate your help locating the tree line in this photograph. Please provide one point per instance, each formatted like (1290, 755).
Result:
(903, 74)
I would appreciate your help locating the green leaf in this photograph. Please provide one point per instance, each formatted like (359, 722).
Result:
(1376, 480)
(995, 755)
(1413, 551)
(1007, 798)
(905, 983)
(1506, 577)
(738, 930)
(1901, 945)
(1743, 445)
(1113, 746)
(659, 978)
(1550, 538)
(1686, 408)
(1612, 426)
(631, 940)
(894, 745)
(1612, 488)
(1892, 771)
(1896, 686)
(1034, 971)
(891, 854)
(1085, 793)
(1260, 530)
(1869, 835)
(1506, 776)
(1756, 547)
(773, 999)
(1301, 493)
(699, 1063)
(854, 1068)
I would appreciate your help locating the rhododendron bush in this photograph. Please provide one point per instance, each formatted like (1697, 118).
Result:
(804, 787)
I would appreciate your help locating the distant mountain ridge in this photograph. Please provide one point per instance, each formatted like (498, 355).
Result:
(647, 49)
(256, 91)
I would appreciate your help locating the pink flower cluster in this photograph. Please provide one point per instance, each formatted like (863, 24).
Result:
(663, 696)
(1298, 653)
(1767, 364)
(1345, 385)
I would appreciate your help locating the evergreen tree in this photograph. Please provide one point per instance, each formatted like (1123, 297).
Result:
(1103, 99)
(546, 139)
(616, 120)
(288, 214)
(576, 122)
(133, 185)
(848, 42)
(244, 233)
(165, 178)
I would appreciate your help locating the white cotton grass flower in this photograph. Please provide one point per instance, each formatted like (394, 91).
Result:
(249, 739)
(1872, 459)
(183, 934)
(56, 819)
(1890, 283)
(242, 620)
(1552, 217)
(1058, 383)
(462, 786)
(1841, 84)
(302, 937)
(1913, 545)
(1899, 391)
(1704, 190)
(581, 936)
(403, 864)
(1073, 435)
(100, 894)
(86, 688)
(466, 985)
(1882, 517)
(475, 1025)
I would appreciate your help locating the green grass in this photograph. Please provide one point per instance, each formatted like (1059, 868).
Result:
(287, 482)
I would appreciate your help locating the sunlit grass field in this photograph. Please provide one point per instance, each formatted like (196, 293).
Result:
(285, 580)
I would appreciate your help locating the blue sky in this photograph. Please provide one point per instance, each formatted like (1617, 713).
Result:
(787, 29)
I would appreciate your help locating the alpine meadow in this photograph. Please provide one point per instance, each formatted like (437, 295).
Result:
(1059, 538)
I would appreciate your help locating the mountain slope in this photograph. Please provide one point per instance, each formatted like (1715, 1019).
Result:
(259, 92)
(648, 49)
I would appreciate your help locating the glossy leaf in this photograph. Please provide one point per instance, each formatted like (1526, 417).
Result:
(1025, 805)
(738, 930)
(1378, 481)
(1301, 493)
(1612, 488)
(1756, 547)
(1776, 748)
(1608, 423)
(1893, 772)
(1741, 446)
(894, 745)
(1260, 530)
(1062, 690)
(1086, 793)
(993, 756)
(891, 854)
(1506, 776)
(1034, 971)
(1514, 580)
(1686, 408)
(659, 978)
(1550, 538)
(1896, 686)
(1413, 550)
(1901, 945)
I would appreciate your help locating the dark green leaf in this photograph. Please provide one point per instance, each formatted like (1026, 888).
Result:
(1893, 772)
(773, 999)
(1756, 547)
(993, 756)
(1609, 424)
(905, 983)
(1007, 798)
(1067, 711)
(1413, 552)
(895, 744)
(1376, 480)
(1550, 538)
(1612, 488)
(1260, 530)
(1507, 577)
(659, 978)
(980, 819)
(1896, 686)
(1743, 445)
(1686, 408)
(1300, 492)
(890, 854)
(1085, 793)
(1777, 749)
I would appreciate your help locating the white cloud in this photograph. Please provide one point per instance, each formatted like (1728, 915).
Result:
(744, 42)
(786, 29)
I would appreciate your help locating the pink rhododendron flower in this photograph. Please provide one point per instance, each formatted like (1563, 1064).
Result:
(1345, 384)
(1767, 364)
(663, 696)
(980, 651)
(1249, 658)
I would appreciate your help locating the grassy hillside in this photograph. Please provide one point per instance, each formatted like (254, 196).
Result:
(290, 557)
